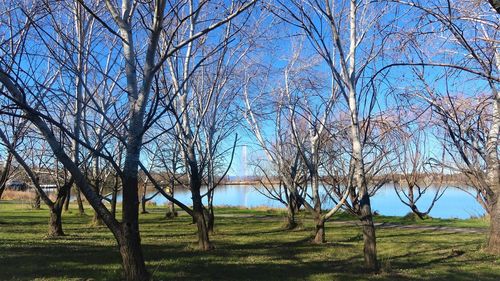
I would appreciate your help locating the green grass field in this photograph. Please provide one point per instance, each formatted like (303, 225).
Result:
(250, 245)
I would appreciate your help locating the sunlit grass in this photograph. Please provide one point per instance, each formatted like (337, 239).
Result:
(250, 245)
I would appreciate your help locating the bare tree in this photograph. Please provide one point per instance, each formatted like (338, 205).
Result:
(414, 174)
(169, 163)
(468, 30)
(344, 33)
(198, 103)
(314, 112)
(300, 114)
(282, 158)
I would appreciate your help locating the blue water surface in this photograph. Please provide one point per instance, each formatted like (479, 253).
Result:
(455, 203)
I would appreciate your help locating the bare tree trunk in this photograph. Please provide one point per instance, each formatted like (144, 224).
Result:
(313, 170)
(114, 193)
(493, 176)
(143, 199)
(290, 217)
(370, 250)
(2, 188)
(96, 220)
(143, 205)
(79, 201)
(113, 202)
(369, 239)
(5, 173)
(199, 216)
(494, 232)
(211, 220)
(210, 212)
(36, 201)
(291, 208)
(210, 192)
(66, 202)
(319, 233)
(171, 212)
(203, 234)
(129, 243)
(55, 221)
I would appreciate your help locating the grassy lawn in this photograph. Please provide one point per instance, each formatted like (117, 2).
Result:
(250, 245)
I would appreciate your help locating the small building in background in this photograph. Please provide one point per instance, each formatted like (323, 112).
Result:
(17, 185)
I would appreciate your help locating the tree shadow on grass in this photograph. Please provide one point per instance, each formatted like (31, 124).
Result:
(260, 232)
(279, 265)
(229, 261)
(60, 261)
(246, 249)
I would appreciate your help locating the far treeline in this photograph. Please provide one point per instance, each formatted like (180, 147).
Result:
(331, 97)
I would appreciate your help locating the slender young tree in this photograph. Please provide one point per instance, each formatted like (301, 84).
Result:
(414, 175)
(199, 105)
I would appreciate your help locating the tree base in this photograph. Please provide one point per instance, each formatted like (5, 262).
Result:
(54, 235)
(493, 246)
(171, 215)
(290, 225)
(205, 247)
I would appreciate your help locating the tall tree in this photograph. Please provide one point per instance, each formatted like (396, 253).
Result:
(139, 69)
(350, 38)
(201, 102)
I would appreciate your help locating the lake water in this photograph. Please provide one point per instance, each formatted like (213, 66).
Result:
(455, 203)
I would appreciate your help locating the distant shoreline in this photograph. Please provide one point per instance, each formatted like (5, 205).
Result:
(451, 183)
